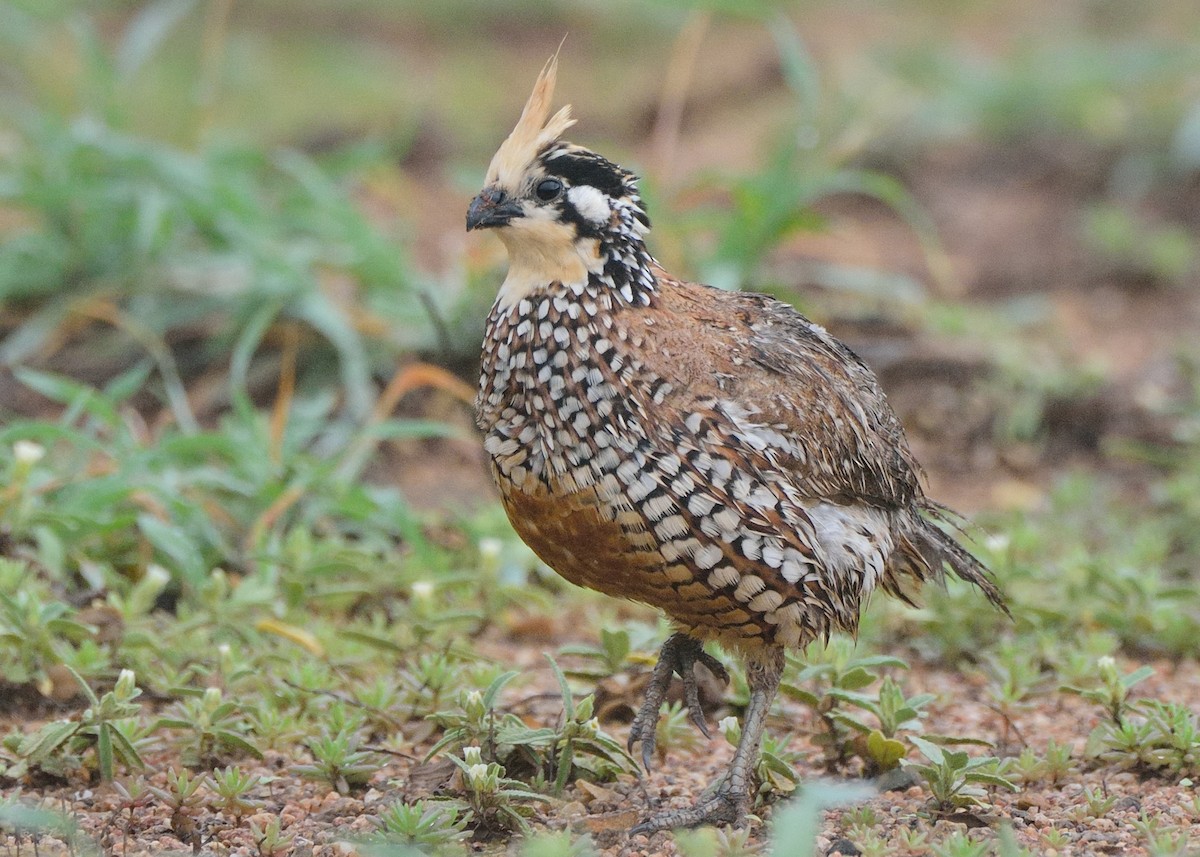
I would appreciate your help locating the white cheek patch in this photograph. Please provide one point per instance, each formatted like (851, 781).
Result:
(591, 204)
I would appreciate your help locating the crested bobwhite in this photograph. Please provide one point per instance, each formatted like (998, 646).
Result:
(713, 454)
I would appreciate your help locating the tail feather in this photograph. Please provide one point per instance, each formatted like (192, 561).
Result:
(929, 550)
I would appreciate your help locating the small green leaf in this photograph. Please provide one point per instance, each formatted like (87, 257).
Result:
(956, 740)
(930, 750)
(84, 686)
(1136, 677)
(104, 751)
(957, 759)
(125, 750)
(857, 678)
(567, 697)
(175, 544)
(875, 661)
(497, 685)
(47, 739)
(172, 723)
(885, 752)
(238, 743)
(991, 780)
(800, 694)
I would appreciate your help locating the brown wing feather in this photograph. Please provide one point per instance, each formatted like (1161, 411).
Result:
(814, 390)
(838, 438)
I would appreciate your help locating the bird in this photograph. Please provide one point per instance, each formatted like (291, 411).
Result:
(711, 453)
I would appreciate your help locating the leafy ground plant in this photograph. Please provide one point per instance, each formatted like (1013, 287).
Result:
(339, 761)
(186, 796)
(575, 747)
(428, 826)
(1149, 735)
(212, 726)
(834, 692)
(496, 802)
(270, 839)
(606, 659)
(474, 722)
(1052, 766)
(1154, 737)
(955, 779)
(37, 630)
(581, 743)
(232, 787)
(107, 728)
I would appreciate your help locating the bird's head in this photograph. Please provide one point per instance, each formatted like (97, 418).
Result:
(561, 210)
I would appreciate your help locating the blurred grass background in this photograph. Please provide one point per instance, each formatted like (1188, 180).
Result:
(232, 235)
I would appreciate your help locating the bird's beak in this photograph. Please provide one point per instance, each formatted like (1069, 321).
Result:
(492, 207)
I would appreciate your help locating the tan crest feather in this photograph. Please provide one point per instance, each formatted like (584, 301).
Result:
(533, 131)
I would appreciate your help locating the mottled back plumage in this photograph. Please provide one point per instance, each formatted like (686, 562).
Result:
(714, 454)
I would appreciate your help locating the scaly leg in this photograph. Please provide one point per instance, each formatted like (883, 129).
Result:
(679, 654)
(731, 798)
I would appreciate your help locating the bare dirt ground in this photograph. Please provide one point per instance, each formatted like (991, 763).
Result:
(326, 823)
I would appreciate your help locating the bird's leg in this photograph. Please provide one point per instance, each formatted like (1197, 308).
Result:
(728, 802)
(679, 654)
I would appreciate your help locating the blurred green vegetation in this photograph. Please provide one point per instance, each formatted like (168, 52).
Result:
(230, 231)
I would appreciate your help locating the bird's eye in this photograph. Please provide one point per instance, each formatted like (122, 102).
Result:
(548, 189)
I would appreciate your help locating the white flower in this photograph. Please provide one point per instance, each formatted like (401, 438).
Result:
(423, 589)
(473, 705)
(997, 542)
(212, 698)
(157, 575)
(489, 549)
(729, 726)
(1107, 662)
(126, 682)
(28, 453)
(477, 773)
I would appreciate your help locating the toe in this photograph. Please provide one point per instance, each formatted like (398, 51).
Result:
(714, 666)
(720, 809)
(648, 753)
(692, 694)
(644, 729)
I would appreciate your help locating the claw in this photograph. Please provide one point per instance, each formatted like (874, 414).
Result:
(679, 654)
(692, 695)
(648, 746)
(724, 807)
(728, 802)
(714, 666)
(643, 730)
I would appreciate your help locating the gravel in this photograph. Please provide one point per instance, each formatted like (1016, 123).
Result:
(1048, 819)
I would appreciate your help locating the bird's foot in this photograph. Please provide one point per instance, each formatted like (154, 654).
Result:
(727, 804)
(680, 654)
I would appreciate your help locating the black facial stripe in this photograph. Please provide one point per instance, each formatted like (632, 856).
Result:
(580, 169)
(583, 227)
